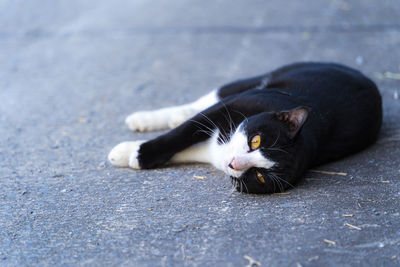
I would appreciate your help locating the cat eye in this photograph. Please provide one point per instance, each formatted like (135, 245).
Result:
(260, 178)
(255, 142)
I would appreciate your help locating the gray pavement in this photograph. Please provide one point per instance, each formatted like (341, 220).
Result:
(70, 71)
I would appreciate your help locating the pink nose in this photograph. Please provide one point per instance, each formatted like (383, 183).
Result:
(232, 164)
(238, 163)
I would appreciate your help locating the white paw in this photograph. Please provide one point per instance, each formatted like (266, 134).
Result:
(143, 121)
(125, 154)
(176, 120)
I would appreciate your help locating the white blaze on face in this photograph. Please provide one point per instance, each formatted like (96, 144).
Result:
(235, 157)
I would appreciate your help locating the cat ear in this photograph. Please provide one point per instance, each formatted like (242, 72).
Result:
(294, 119)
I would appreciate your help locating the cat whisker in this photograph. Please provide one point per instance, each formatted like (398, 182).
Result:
(207, 118)
(202, 124)
(239, 185)
(230, 121)
(273, 181)
(283, 180)
(235, 184)
(276, 140)
(277, 149)
(240, 113)
(247, 189)
(210, 131)
(281, 187)
(233, 189)
(232, 125)
(223, 134)
(205, 131)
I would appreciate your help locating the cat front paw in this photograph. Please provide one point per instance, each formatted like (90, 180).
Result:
(126, 154)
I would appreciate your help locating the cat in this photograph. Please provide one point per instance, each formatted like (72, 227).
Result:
(266, 131)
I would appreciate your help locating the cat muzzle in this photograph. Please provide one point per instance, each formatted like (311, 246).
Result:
(240, 163)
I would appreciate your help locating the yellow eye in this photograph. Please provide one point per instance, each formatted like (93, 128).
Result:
(260, 178)
(255, 142)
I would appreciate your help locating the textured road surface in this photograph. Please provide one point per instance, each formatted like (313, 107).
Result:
(70, 71)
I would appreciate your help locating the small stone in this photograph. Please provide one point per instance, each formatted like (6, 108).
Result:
(359, 60)
(82, 120)
(101, 165)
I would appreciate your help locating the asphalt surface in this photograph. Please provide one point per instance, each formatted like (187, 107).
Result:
(70, 71)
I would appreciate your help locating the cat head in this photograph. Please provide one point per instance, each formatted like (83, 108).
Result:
(263, 158)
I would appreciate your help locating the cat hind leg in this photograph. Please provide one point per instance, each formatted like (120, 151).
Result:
(171, 117)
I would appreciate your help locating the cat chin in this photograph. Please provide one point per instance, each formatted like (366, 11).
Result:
(252, 186)
(233, 173)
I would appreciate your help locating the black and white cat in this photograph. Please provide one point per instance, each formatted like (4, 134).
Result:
(264, 132)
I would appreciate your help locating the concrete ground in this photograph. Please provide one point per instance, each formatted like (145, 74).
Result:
(71, 70)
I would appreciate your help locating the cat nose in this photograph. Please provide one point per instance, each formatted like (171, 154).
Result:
(233, 164)
(239, 163)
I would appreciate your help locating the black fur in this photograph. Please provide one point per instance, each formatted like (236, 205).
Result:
(342, 109)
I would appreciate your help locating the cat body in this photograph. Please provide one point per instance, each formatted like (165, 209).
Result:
(266, 131)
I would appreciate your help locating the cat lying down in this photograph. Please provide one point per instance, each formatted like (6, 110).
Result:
(264, 132)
